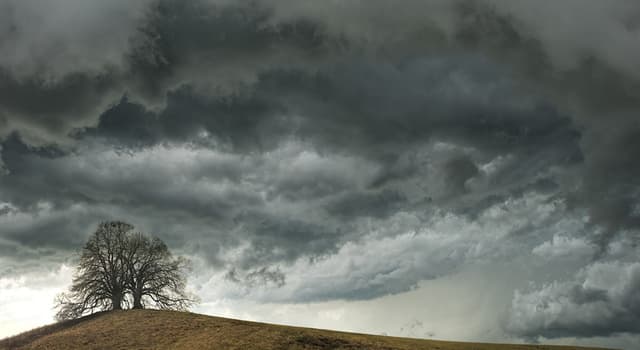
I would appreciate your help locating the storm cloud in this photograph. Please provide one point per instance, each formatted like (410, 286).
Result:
(305, 151)
(601, 301)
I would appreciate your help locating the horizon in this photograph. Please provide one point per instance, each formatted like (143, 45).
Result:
(458, 170)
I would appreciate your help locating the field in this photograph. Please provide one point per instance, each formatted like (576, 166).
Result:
(151, 329)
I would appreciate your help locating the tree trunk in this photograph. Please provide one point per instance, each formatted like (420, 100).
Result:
(137, 299)
(116, 302)
(137, 303)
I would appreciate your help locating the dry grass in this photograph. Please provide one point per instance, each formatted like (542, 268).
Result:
(149, 329)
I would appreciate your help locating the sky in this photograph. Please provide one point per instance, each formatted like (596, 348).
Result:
(462, 170)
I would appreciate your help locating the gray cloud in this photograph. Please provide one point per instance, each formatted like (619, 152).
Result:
(374, 204)
(458, 171)
(601, 301)
(70, 37)
(44, 112)
(61, 73)
(258, 277)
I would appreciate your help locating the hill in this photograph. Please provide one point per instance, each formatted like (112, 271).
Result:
(152, 329)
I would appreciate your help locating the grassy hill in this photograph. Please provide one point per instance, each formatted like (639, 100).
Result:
(150, 329)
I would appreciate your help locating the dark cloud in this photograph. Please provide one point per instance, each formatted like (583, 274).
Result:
(218, 39)
(374, 204)
(256, 278)
(39, 98)
(5, 209)
(611, 183)
(377, 107)
(44, 111)
(600, 91)
(354, 107)
(239, 122)
(457, 171)
(284, 239)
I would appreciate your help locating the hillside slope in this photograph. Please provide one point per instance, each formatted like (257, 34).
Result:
(150, 329)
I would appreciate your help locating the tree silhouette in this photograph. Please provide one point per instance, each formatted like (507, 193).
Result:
(154, 276)
(120, 268)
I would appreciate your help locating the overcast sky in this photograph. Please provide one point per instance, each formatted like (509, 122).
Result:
(462, 170)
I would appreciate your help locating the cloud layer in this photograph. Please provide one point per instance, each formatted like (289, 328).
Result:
(304, 151)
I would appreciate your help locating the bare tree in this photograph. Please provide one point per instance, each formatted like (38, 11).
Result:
(120, 268)
(99, 282)
(155, 276)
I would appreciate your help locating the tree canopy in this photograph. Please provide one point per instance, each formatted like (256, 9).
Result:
(119, 268)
